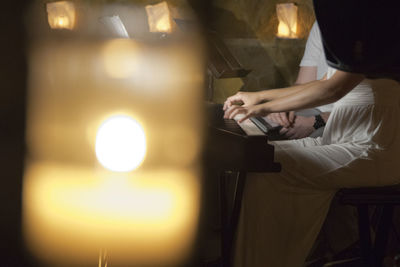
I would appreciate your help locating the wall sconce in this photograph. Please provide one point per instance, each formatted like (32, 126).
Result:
(61, 15)
(287, 16)
(159, 18)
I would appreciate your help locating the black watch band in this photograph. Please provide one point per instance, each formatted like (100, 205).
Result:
(319, 122)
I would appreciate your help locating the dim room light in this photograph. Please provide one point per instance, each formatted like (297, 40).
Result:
(120, 144)
(61, 15)
(159, 18)
(287, 17)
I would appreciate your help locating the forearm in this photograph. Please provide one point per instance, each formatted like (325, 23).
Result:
(272, 94)
(314, 94)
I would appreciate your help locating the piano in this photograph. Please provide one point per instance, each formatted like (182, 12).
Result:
(233, 148)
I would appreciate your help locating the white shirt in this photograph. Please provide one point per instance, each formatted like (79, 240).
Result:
(314, 56)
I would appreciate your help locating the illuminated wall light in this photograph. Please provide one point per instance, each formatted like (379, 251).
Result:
(120, 144)
(159, 18)
(287, 16)
(61, 15)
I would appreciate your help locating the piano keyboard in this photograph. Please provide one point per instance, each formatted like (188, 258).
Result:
(248, 126)
(257, 126)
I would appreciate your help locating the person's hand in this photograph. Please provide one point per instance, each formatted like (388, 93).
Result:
(285, 119)
(247, 111)
(242, 98)
(302, 127)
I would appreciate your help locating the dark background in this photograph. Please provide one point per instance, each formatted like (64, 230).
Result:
(12, 123)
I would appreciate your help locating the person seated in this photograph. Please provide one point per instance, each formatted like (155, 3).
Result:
(282, 213)
(313, 67)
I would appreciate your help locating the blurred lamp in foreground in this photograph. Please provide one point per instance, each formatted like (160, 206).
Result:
(159, 18)
(287, 16)
(61, 15)
(120, 144)
(114, 130)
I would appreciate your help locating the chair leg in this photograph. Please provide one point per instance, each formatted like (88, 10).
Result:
(365, 235)
(382, 234)
(229, 223)
(224, 221)
(238, 195)
(373, 256)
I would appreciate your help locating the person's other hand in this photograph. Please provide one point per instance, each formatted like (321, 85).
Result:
(247, 111)
(285, 119)
(302, 127)
(242, 98)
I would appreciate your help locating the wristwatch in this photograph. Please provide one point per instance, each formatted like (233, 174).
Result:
(319, 122)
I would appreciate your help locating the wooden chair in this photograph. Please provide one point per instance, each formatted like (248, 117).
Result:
(384, 199)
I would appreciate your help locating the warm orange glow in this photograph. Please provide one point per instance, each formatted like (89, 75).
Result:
(103, 258)
(287, 16)
(154, 212)
(163, 25)
(159, 18)
(285, 31)
(62, 22)
(61, 15)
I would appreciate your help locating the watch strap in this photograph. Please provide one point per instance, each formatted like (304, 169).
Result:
(319, 122)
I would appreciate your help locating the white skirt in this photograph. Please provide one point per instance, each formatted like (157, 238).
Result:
(282, 213)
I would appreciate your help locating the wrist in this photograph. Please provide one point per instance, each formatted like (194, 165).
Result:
(308, 121)
(258, 97)
(263, 96)
(325, 116)
(266, 109)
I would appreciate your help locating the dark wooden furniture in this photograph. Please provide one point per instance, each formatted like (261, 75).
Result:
(384, 199)
(230, 150)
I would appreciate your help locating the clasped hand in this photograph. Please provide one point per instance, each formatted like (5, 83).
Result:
(247, 103)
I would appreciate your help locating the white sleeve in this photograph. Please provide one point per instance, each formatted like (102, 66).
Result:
(314, 50)
(314, 56)
(325, 108)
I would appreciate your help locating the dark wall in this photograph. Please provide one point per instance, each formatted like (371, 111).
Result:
(249, 30)
(12, 114)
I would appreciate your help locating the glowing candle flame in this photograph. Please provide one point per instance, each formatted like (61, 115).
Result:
(120, 144)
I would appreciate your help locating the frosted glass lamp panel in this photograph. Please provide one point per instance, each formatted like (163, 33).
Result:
(287, 16)
(61, 15)
(159, 18)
